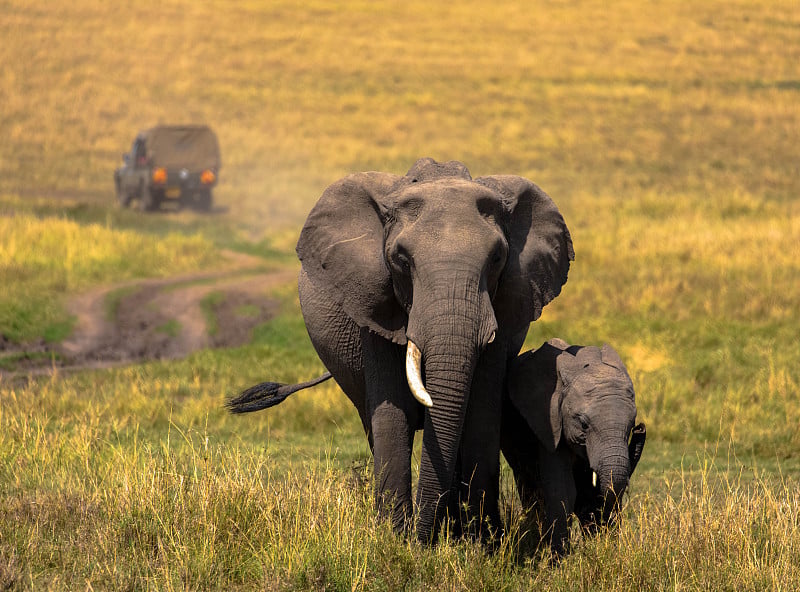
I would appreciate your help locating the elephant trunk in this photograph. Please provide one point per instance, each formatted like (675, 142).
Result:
(448, 379)
(613, 470)
(617, 470)
(450, 322)
(451, 329)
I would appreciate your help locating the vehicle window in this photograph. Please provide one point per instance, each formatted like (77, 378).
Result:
(139, 152)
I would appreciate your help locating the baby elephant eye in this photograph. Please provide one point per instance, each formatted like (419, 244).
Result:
(584, 421)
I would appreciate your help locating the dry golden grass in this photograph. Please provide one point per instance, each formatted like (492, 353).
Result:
(669, 97)
(666, 132)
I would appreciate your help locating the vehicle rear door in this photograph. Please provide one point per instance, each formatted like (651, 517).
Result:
(134, 176)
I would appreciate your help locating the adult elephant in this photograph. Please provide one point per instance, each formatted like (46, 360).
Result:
(416, 290)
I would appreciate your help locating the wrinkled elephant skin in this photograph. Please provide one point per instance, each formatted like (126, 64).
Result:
(437, 271)
(568, 434)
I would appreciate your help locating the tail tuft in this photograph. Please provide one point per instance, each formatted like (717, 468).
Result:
(268, 394)
(260, 396)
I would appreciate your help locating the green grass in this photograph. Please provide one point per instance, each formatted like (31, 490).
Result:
(113, 301)
(208, 305)
(172, 328)
(47, 259)
(10, 361)
(665, 132)
(247, 310)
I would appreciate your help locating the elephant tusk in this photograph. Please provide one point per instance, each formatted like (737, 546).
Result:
(414, 375)
(492, 336)
(594, 479)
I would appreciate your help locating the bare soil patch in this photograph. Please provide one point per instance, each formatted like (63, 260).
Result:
(155, 319)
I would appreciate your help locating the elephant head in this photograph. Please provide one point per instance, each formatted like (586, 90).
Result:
(445, 265)
(581, 399)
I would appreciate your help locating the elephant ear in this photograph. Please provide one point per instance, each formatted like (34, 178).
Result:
(341, 249)
(611, 357)
(588, 356)
(539, 251)
(558, 343)
(569, 367)
(622, 379)
(534, 390)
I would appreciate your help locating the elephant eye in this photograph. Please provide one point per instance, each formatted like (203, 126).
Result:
(402, 260)
(500, 253)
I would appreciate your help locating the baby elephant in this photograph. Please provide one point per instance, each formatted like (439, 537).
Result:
(569, 436)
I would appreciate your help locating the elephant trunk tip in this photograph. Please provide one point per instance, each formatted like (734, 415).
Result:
(610, 480)
(611, 486)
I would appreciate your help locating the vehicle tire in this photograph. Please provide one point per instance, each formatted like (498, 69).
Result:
(203, 200)
(149, 200)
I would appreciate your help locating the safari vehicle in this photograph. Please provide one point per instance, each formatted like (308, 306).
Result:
(170, 163)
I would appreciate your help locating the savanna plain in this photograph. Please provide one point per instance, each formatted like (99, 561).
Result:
(667, 133)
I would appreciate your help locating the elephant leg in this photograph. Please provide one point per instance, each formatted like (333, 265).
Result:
(393, 417)
(479, 478)
(337, 341)
(559, 494)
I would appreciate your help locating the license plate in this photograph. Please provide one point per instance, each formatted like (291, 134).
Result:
(173, 192)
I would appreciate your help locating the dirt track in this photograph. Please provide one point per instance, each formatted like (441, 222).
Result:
(157, 319)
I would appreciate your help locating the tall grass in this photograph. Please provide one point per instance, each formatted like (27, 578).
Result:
(712, 531)
(87, 500)
(665, 132)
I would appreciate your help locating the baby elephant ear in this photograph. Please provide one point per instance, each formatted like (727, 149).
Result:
(559, 343)
(539, 251)
(568, 367)
(341, 249)
(611, 357)
(589, 355)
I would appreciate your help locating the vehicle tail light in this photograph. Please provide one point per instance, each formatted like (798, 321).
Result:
(207, 177)
(159, 175)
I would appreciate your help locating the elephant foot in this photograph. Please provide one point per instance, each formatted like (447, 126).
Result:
(462, 523)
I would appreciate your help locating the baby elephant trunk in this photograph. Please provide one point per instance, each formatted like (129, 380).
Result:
(612, 473)
(610, 478)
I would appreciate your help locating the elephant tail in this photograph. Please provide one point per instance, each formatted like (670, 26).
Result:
(268, 394)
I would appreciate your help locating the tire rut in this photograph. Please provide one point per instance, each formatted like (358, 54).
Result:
(168, 318)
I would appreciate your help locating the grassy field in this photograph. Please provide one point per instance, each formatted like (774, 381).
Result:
(666, 132)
